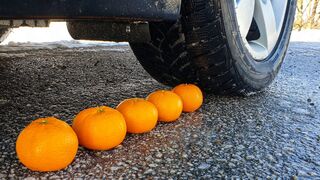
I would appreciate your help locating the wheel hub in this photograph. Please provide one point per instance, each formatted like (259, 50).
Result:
(263, 17)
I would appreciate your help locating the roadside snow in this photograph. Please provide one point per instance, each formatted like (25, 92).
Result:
(11, 55)
(305, 36)
(56, 36)
(61, 44)
(56, 32)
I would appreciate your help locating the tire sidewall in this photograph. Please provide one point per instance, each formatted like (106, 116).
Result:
(4, 33)
(255, 74)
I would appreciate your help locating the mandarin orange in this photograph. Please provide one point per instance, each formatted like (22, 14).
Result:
(100, 128)
(191, 96)
(47, 144)
(168, 104)
(141, 115)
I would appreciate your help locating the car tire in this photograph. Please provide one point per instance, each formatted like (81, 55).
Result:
(4, 32)
(205, 47)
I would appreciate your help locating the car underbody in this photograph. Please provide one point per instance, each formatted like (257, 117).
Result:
(128, 18)
(225, 47)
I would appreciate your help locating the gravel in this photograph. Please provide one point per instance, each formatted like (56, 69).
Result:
(273, 134)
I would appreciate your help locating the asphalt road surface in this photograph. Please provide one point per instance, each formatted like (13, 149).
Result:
(272, 134)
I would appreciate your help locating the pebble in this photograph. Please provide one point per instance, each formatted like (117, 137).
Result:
(250, 157)
(231, 165)
(153, 165)
(203, 166)
(159, 155)
(228, 146)
(149, 171)
(240, 147)
(271, 158)
(114, 168)
(184, 155)
(135, 168)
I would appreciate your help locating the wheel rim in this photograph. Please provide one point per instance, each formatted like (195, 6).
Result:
(260, 23)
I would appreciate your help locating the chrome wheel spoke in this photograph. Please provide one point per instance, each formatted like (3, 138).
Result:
(279, 9)
(245, 10)
(266, 22)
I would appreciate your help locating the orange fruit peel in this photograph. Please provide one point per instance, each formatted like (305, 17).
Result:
(141, 115)
(100, 128)
(168, 104)
(47, 144)
(190, 95)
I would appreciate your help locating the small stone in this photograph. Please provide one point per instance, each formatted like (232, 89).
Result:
(231, 165)
(300, 110)
(302, 173)
(148, 158)
(53, 106)
(54, 177)
(312, 173)
(165, 171)
(228, 146)
(119, 147)
(294, 177)
(114, 168)
(240, 147)
(209, 160)
(250, 157)
(172, 171)
(2, 176)
(153, 165)
(29, 178)
(149, 171)
(203, 166)
(285, 135)
(288, 149)
(271, 158)
(218, 142)
(159, 155)
(184, 155)
(222, 160)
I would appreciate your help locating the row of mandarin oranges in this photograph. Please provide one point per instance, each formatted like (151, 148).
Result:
(49, 144)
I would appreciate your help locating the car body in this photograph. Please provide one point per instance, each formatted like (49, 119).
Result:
(112, 10)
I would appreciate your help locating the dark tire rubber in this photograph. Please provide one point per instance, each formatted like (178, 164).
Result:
(4, 32)
(205, 47)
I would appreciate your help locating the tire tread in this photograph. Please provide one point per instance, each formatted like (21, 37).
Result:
(206, 60)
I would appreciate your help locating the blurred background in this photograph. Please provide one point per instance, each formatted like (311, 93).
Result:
(307, 15)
